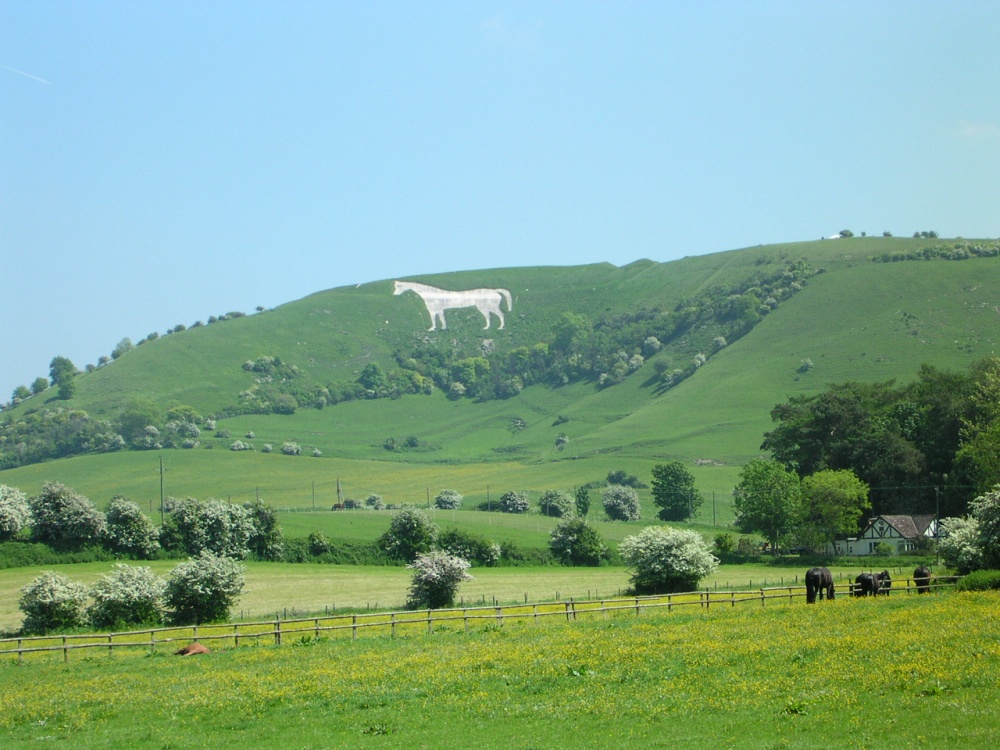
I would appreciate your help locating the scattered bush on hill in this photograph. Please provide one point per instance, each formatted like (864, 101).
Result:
(196, 526)
(203, 589)
(265, 542)
(448, 500)
(128, 531)
(14, 512)
(129, 595)
(52, 602)
(575, 542)
(620, 503)
(64, 519)
(410, 533)
(514, 502)
(469, 546)
(556, 504)
(666, 560)
(436, 576)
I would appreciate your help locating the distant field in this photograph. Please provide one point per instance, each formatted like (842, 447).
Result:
(870, 673)
(305, 588)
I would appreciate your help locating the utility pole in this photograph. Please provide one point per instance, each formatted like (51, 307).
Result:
(161, 490)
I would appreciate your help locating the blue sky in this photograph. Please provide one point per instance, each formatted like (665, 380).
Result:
(164, 162)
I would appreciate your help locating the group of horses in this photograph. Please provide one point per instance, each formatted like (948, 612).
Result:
(819, 583)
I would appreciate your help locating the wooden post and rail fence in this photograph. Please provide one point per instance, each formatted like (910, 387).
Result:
(351, 625)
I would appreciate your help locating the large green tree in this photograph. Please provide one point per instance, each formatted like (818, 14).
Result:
(674, 492)
(767, 499)
(833, 503)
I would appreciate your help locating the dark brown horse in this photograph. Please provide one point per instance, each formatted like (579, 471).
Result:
(867, 584)
(818, 581)
(884, 583)
(922, 579)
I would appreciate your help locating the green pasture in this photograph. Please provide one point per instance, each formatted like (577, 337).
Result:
(304, 588)
(855, 673)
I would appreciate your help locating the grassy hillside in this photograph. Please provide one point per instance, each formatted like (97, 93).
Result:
(854, 320)
(874, 673)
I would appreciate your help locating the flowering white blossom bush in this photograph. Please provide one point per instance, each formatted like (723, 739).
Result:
(664, 559)
(128, 531)
(514, 502)
(203, 589)
(448, 500)
(128, 595)
(52, 602)
(209, 525)
(436, 576)
(621, 503)
(64, 519)
(575, 542)
(291, 449)
(14, 512)
(556, 503)
(959, 544)
(240, 445)
(986, 510)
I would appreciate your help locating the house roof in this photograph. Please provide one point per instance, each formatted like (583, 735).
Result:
(909, 527)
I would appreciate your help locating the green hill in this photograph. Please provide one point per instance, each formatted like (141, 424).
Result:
(836, 315)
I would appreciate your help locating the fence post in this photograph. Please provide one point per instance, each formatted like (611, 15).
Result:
(732, 597)
(354, 627)
(430, 623)
(277, 632)
(317, 628)
(763, 599)
(534, 612)
(111, 648)
(670, 605)
(637, 606)
(500, 616)
(236, 635)
(65, 651)
(566, 605)
(465, 619)
(20, 653)
(392, 621)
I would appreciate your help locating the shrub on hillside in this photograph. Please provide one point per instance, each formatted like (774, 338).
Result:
(265, 541)
(514, 502)
(436, 576)
(128, 531)
(195, 526)
(959, 544)
(14, 512)
(620, 503)
(980, 580)
(291, 449)
(64, 519)
(556, 504)
(410, 533)
(52, 602)
(127, 596)
(665, 560)
(448, 500)
(469, 546)
(203, 589)
(375, 502)
(575, 542)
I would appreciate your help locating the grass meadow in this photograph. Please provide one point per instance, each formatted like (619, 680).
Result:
(891, 672)
(298, 589)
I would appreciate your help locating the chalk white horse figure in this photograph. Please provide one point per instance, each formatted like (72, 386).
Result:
(438, 300)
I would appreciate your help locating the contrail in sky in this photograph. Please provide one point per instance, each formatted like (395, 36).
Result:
(26, 75)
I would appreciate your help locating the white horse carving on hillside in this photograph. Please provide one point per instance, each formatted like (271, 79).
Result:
(438, 300)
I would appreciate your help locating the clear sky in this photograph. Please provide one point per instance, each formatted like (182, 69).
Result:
(161, 162)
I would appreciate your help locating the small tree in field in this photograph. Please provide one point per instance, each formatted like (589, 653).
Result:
(448, 500)
(620, 503)
(674, 492)
(410, 533)
(203, 589)
(575, 542)
(436, 576)
(556, 504)
(64, 519)
(514, 502)
(14, 512)
(128, 595)
(581, 499)
(128, 531)
(665, 560)
(52, 602)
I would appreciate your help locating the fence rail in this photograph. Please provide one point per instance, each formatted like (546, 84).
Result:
(392, 623)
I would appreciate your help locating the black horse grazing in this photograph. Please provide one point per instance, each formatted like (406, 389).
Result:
(867, 584)
(922, 579)
(818, 581)
(884, 583)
